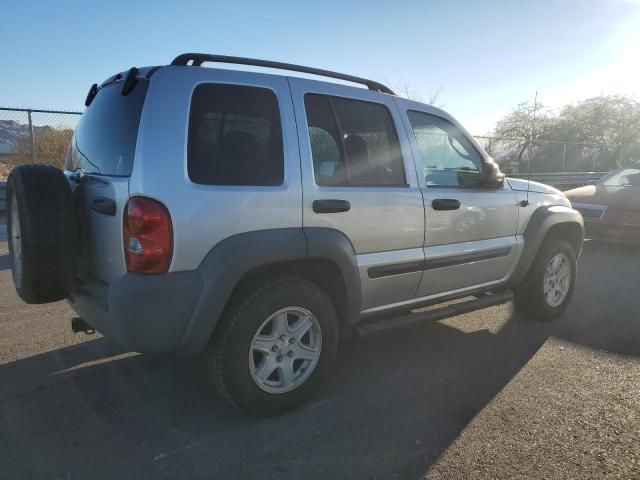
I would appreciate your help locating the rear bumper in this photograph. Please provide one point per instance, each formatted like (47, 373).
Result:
(144, 313)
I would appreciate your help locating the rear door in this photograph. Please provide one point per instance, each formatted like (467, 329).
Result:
(358, 178)
(102, 152)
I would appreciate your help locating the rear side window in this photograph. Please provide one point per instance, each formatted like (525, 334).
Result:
(105, 139)
(235, 136)
(353, 143)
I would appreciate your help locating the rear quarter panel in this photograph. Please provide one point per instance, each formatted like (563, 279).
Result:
(203, 215)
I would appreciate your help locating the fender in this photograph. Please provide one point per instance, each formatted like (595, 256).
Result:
(231, 259)
(326, 243)
(541, 221)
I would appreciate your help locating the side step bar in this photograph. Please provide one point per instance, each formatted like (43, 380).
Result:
(483, 300)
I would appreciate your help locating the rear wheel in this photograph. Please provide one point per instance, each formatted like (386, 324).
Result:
(548, 287)
(42, 232)
(276, 341)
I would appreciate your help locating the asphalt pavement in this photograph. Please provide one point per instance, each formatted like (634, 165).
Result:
(484, 395)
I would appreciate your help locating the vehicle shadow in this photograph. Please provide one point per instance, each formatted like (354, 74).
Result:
(396, 403)
(5, 263)
(3, 228)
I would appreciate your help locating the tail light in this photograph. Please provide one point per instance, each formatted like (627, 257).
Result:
(148, 236)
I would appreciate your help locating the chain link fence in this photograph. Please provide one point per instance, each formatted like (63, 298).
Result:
(515, 155)
(33, 135)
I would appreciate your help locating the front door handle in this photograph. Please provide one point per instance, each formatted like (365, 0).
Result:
(445, 204)
(331, 206)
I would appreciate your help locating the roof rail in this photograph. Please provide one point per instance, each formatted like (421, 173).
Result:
(197, 59)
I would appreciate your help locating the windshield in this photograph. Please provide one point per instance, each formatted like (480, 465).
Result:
(628, 177)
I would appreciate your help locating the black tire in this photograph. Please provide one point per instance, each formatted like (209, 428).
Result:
(45, 268)
(529, 295)
(228, 353)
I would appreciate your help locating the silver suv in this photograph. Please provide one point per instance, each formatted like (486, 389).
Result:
(256, 218)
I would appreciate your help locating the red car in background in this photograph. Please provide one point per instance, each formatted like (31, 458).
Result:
(611, 206)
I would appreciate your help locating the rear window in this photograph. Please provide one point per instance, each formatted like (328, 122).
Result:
(105, 139)
(235, 136)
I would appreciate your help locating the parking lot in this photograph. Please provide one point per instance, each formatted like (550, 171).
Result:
(484, 395)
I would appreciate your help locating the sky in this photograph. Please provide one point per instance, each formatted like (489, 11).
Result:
(485, 57)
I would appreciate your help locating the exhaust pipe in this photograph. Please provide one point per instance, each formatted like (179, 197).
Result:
(79, 325)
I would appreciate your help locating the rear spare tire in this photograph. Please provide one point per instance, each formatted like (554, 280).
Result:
(42, 233)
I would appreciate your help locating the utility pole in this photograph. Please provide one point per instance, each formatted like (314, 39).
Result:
(533, 131)
(535, 109)
(525, 203)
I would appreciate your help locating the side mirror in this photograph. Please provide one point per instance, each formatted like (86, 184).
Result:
(491, 176)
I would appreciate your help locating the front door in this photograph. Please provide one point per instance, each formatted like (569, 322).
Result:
(470, 236)
(358, 178)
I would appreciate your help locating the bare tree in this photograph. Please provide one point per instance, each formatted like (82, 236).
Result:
(523, 128)
(406, 90)
(607, 126)
(600, 132)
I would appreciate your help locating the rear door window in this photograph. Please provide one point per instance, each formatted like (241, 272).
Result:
(353, 143)
(105, 139)
(235, 136)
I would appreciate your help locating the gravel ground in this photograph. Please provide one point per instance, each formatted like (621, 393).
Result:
(484, 395)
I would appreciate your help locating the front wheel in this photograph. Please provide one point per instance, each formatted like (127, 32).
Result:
(277, 340)
(548, 287)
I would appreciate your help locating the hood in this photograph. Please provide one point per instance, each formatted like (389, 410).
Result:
(620, 197)
(521, 185)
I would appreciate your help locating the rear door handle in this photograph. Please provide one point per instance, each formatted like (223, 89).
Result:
(445, 204)
(331, 206)
(105, 206)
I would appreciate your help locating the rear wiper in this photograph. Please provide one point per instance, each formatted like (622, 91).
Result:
(77, 175)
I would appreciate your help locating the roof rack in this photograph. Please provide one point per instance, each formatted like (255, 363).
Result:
(197, 59)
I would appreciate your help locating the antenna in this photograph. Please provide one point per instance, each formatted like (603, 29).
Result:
(533, 139)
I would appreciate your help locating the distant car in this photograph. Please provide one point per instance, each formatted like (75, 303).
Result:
(611, 206)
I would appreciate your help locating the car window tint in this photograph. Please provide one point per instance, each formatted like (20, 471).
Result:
(326, 148)
(353, 143)
(235, 136)
(447, 157)
(104, 142)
